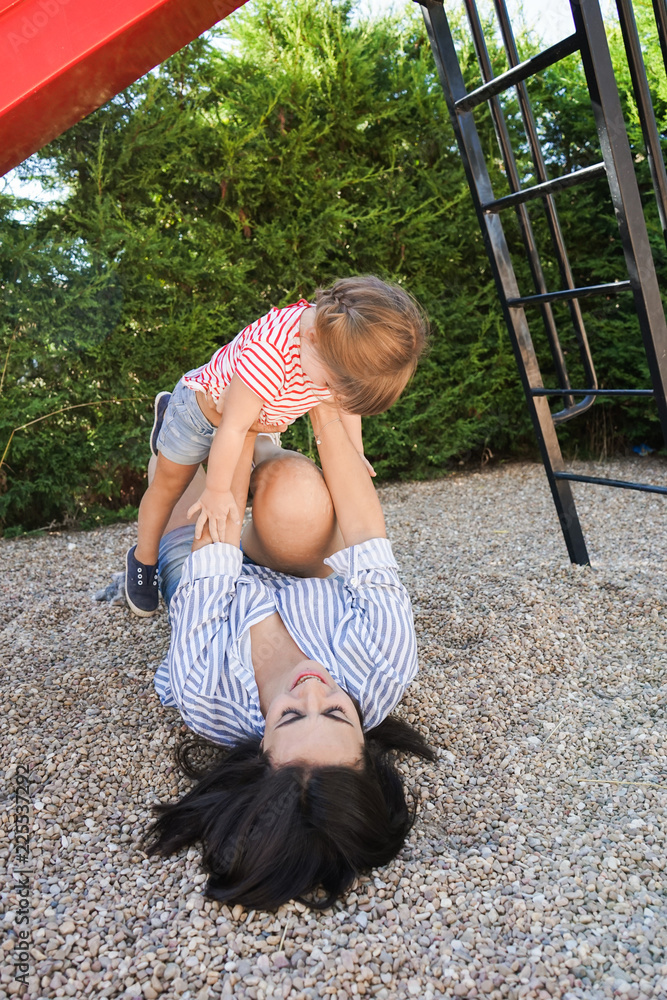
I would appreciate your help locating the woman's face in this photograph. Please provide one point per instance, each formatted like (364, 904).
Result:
(312, 720)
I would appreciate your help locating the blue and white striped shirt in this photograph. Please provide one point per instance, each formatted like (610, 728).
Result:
(358, 625)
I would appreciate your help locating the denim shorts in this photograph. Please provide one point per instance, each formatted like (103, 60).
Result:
(186, 435)
(175, 547)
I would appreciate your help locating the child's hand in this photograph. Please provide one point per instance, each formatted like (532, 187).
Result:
(371, 470)
(215, 506)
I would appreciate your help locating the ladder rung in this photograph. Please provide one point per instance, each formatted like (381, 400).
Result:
(545, 188)
(518, 73)
(570, 293)
(620, 483)
(592, 392)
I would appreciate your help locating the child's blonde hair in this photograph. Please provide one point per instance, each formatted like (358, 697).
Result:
(369, 335)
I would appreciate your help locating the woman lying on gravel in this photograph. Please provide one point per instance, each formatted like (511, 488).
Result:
(295, 671)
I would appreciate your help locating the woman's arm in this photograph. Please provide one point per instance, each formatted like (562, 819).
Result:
(354, 498)
(352, 424)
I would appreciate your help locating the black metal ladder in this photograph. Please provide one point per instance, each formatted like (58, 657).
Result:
(590, 40)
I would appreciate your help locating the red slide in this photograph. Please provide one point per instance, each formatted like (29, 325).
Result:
(61, 59)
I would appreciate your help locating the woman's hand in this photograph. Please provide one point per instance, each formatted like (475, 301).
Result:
(215, 506)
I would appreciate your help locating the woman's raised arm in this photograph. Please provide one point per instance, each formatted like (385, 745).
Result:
(355, 501)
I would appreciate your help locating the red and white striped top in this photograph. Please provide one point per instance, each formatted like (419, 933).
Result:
(266, 356)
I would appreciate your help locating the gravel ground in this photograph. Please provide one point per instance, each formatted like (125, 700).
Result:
(536, 867)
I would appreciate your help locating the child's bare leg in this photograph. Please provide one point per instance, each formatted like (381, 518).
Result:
(168, 485)
(179, 515)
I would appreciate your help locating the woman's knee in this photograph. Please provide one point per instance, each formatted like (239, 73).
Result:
(293, 520)
(291, 485)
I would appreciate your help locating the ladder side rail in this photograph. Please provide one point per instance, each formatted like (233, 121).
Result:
(660, 11)
(624, 193)
(647, 121)
(449, 72)
(512, 172)
(553, 221)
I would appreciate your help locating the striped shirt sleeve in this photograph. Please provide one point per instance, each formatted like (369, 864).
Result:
(199, 613)
(379, 628)
(261, 366)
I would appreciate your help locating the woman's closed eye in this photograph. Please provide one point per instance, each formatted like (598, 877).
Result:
(300, 715)
(292, 711)
(295, 714)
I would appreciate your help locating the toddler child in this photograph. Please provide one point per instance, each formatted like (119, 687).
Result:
(358, 345)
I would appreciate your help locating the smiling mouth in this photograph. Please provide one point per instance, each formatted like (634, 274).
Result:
(305, 677)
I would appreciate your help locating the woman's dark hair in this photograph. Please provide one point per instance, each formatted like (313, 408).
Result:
(269, 834)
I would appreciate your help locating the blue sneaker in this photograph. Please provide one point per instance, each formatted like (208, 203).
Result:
(141, 590)
(161, 404)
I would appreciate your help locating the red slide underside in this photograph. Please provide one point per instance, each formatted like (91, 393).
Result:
(61, 59)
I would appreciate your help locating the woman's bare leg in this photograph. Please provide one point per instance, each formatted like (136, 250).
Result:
(293, 525)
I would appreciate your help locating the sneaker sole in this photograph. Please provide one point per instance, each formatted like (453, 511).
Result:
(133, 607)
(155, 420)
